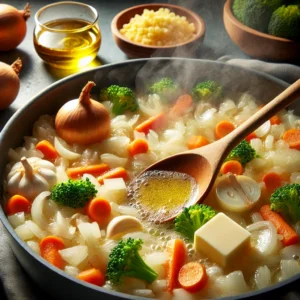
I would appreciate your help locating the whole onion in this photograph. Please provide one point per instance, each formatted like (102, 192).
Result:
(83, 121)
(9, 81)
(12, 26)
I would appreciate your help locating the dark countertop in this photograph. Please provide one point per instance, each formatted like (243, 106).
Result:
(36, 76)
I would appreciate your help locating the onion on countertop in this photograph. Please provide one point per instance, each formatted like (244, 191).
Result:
(83, 121)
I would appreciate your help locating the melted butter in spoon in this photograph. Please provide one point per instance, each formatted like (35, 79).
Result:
(157, 194)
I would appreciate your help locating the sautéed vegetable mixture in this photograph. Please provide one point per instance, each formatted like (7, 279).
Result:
(72, 196)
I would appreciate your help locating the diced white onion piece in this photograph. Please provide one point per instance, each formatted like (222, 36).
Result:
(143, 293)
(16, 219)
(116, 145)
(35, 229)
(159, 285)
(74, 255)
(116, 189)
(88, 233)
(264, 129)
(256, 217)
(237, 193)
(134, 119)
(291, 252)
(262, 277)
(295, 177)
(214, 271)
(96, 230)
(61, 171)
(73, 271)
(63, 227)
(34, 246)
(257, 145)
(231, 284)
(113, 161)
(264, 237)
(269, 141)
(289, 268)
(277, 131)
(156, 258)
(63, 151)
(139, 135)
(37, 209)
(24, 232)
(127, 210)
(181, 294)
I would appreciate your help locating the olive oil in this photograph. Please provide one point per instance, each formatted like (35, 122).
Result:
(159, 194)
(67, 43)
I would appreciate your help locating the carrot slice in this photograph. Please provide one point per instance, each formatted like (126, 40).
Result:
(292, 137)
(95, 170)
(113, 173)
(47, 149)
(49, 247)
(181, 106)
(275, 120)
(197, 141)
(192, 277)
(223, 128)
(98, 210)
(93, 276)
(138, 146)
(17, 203)
(289, 235)
(272, 181)
(177, 254)
(232, 166)
(154, 123)
(251, 136)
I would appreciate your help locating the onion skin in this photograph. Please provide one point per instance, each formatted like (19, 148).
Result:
(9, 82)
(12, 26)
(83, 121)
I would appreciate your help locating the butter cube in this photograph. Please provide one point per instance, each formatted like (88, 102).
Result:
(221, 239)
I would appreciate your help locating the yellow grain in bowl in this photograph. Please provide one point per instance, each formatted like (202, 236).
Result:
(158, 28)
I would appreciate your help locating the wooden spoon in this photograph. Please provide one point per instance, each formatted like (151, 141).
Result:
(204, 163)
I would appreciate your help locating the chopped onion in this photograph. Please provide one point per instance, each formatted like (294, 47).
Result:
(90, 235)
(62, 227)
(16, 219)
(262, 277)
(133, 119)
(34, 246)
(289, 268)
(291, 252)
(73, 271)
(181, 294)
(61, 170)
(264, 237)
(63, 151)
(214, 271)
(139, 135)
(24, 232)
(269, 141)
(231, 284)
(35, 229)
(159, 285)
(156, 258)
(116, 145)
(257, 145)
(113, 160)
(264, 129)
(116, 189)
(143, 293)
(74, 255)
(37, 209)
(127, 210)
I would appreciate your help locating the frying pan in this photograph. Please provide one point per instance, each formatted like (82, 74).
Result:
(136, 74)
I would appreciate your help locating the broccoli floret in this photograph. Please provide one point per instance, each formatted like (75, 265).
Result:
(73, 193)
(243, 153)
(192, 218)
(286, 201)
(166, 88)
(206, 90)
(255, 13)
(285, 22)
(125, 260)
(123, 98)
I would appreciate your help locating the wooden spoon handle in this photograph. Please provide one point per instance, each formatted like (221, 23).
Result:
(280, 102)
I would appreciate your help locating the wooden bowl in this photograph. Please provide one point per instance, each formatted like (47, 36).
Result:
(138, 50)
(257, 44)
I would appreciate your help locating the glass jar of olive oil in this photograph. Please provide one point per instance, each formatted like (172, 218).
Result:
(67, 35)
